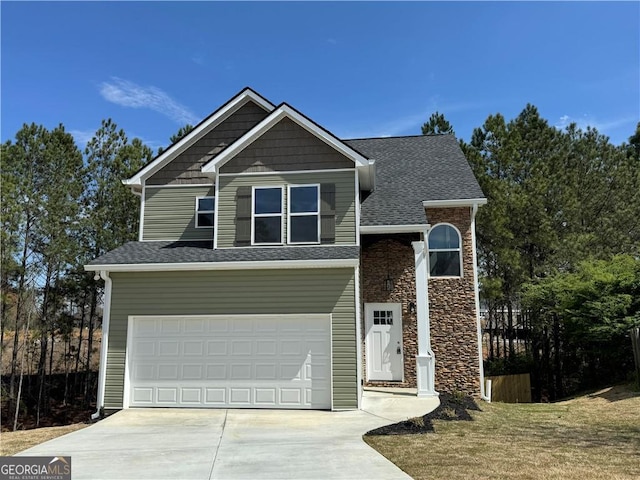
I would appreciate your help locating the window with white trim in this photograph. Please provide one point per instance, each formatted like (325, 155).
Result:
(304, 214)
(445, 251)
(267, 216)
(205, 209)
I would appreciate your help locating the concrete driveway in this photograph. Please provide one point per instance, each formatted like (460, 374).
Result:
(198, 444)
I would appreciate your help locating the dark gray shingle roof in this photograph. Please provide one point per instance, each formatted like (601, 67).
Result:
(191, 252)
(410, 170)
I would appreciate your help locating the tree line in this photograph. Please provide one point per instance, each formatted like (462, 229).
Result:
(60, 209)
(558, 249)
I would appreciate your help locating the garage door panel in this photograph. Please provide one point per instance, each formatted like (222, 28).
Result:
(167, 395)
(216, 372)
(166, 372)
(217, 347)
(168, 348)
(143, 395)
(170, 327)
(236, 362)
(192, 372)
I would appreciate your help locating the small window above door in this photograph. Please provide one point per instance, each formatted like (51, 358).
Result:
(383, 317)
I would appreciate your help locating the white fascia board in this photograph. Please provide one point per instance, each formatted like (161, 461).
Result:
(268, 265)
(278, 114)
(458, 202)
(204, 127)
(381, 229)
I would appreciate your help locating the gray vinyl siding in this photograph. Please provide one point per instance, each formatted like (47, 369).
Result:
(286, 146)
(329, 291)
(170, 213)
(186, 167)
(345, 201)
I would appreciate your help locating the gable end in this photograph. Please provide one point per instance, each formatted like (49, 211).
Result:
(286, 147)
(186, 168)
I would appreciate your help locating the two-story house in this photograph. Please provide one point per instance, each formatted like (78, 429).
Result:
(279, 266)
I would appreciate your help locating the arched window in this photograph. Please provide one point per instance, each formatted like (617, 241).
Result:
(445, 251)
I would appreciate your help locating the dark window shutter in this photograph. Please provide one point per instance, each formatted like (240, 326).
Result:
(243, 217)
(328, 213)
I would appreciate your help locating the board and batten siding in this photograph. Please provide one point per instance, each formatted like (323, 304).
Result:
(170, 213)
(303, 291)
(345, 201)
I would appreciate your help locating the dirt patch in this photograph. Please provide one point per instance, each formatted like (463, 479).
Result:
(452, 407)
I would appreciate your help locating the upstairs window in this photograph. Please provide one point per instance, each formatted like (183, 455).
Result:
(445, 252)
(304, 214)
(205, 208)
(267, 215)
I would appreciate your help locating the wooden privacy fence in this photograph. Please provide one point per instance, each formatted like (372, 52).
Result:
(511, 388)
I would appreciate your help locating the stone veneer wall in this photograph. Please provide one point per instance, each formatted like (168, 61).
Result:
(393, 255)
(452, 313)
(454, 339)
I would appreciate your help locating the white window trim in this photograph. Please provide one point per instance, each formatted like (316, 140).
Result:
(255, 215)
(303, 214)
(206, 211)
(429, 250)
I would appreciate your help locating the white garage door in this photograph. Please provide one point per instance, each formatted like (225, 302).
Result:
(259, 361)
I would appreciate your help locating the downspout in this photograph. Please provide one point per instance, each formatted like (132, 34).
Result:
(483, 393)
(102, 374)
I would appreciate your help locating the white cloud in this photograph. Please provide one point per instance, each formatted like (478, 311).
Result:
(411, 123)
(82, 137)
(603, 126)
(129, 94)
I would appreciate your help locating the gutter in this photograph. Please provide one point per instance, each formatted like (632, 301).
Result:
(106, 315)
(486, 396)
(244, 265)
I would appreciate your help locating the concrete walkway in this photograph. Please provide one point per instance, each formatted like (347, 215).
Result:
(199, 444)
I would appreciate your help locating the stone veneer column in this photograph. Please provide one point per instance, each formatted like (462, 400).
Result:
(452, 312)
(425, 361)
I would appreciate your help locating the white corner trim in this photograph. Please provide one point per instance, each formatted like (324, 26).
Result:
(141, 221)
(104, 345)
(372, 174)
(358, 336)
(459, 202)
(381, 229)
(283, 111)
(474, 210)
(357, 208)
(205, 126)
(215, 213)
(248, 265)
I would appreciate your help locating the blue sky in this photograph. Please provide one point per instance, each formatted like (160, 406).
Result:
(359, 69)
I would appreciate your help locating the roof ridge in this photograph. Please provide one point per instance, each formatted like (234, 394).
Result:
(401, 136)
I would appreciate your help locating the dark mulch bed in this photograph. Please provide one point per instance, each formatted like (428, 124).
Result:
(452, 407)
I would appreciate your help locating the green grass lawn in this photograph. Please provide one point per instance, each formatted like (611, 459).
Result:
(594, 436)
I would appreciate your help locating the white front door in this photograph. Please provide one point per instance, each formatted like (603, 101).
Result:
(383, 323)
